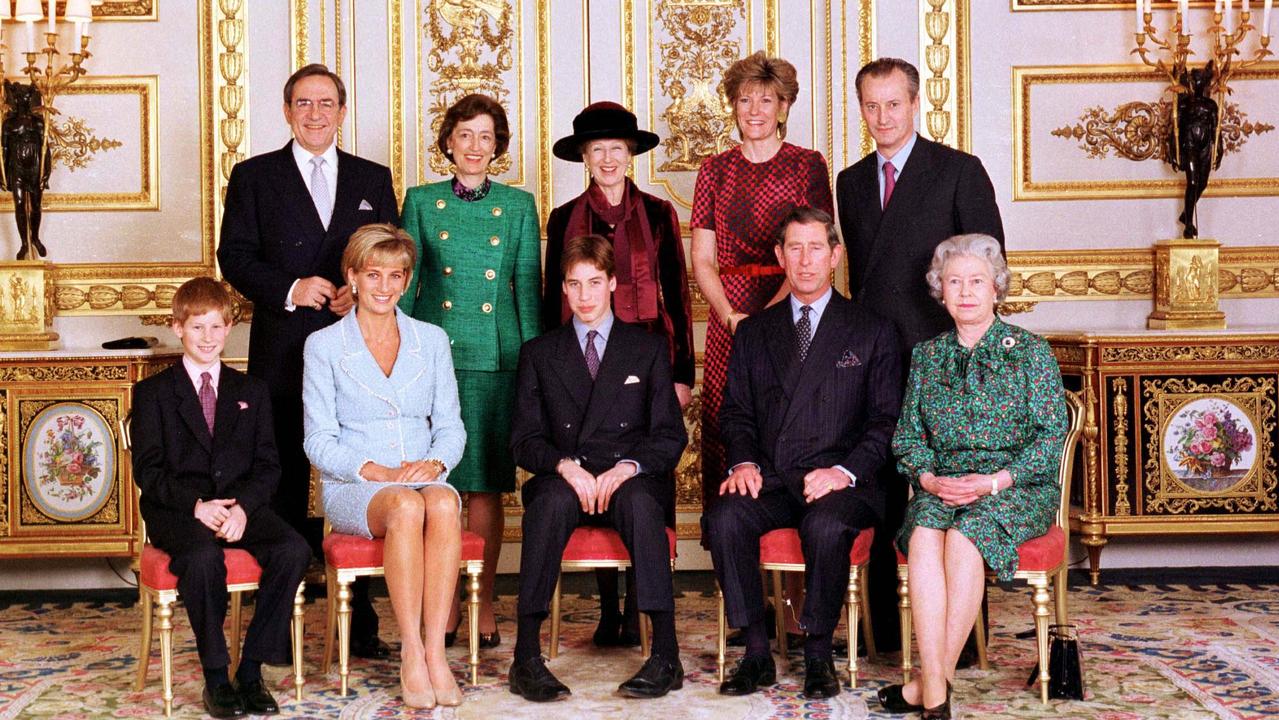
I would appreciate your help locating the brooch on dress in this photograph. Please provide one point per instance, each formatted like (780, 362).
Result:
(1008, 342)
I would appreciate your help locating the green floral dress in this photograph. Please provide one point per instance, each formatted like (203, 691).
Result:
(997, 406)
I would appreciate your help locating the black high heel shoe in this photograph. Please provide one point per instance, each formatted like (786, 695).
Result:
(941, 712)
(490, 640)
(450, 636)
(892, 701)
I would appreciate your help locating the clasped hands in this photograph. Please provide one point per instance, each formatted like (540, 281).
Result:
(315, 291)
(961, 490)
(595, 491)
(409, 471)
(747, 480)
(223, 516)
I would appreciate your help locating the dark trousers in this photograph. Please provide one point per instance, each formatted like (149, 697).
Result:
(292, 503)
(197, 559)
(827, 529)
(637, 511)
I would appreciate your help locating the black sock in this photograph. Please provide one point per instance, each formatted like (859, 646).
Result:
(216, 677)
(606, 579)
(664, 643)
(249, 671)
(756, 639)
(528, 637)
(819, 646)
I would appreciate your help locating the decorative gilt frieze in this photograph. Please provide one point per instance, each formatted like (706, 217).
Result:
(1069, 354)
(300, 27)
(472, 45)
(1130, 274)
(944, 47)
(692, 62)
(4, 463)
(1190, 353)
(1248, 489)
(121, 9)
(1136, 130)
(63, 373)
(1119, 412)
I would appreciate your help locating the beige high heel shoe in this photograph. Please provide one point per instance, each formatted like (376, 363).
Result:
(424, 699)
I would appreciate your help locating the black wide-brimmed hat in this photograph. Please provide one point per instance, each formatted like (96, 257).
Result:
(603, 121)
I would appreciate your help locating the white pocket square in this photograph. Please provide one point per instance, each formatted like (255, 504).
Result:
(364, 205)
(631, 380)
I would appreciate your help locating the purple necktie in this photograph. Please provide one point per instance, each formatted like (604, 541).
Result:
(890, 181)
(592, 355)
(208, 400)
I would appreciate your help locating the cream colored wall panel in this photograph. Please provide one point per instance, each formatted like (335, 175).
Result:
(267, 48)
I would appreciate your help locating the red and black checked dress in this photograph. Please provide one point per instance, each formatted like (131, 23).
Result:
(743, 203)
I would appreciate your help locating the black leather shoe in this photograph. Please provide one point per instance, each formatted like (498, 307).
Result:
(657, 677)
(532, 681)
(820, 680)
(257, 699)
(752, 673)
(892, 701)
(490, 640)
(223, 701)
(370, 648)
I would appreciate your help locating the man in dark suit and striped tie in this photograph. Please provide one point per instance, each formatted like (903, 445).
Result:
(289, 214)
(813, 393)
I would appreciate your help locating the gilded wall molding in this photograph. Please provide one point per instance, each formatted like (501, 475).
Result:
(395, 108)
(1138, 130)
(1120, 413)
(299, 31)
(64, 147)
(1041, 5)
(121, 10)
(1026, 187)
(945, 48)
(1103, 274)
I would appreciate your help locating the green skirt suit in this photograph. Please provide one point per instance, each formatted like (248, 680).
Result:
(478, 277)
(998, 405)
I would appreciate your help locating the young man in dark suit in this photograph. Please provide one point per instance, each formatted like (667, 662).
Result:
(289, 214)
(895, 206)
(204, 458)
(598, 425)
(813, 394)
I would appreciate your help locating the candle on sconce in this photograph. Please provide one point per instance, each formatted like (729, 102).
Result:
(1265, 18)
(1230, 16)
(28, 12)
(1183, 11)
(79, 12)
(1140, 5)
(53, 16)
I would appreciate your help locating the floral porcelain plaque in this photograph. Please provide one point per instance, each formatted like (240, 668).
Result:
(69, 462)
(1210, 444)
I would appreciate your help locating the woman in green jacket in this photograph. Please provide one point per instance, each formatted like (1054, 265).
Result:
(480, 279)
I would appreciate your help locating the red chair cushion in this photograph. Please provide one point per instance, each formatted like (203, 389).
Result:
(351, 551)
(782, 547)
(596, 543)
(241, 568)
(1039, 555)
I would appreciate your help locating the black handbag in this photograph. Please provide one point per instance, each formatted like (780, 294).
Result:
(1065, 665)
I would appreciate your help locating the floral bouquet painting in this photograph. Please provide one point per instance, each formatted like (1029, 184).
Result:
(1210, 440)
(69, 461)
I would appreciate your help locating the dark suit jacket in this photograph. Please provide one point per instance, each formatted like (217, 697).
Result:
(839, 408)
(175, 460)
(272, 235)
(560, 412)
(940, 193)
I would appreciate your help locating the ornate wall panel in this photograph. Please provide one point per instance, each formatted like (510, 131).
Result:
(1090, 132)
(97, 169)
(1020, 5)
(945, 70)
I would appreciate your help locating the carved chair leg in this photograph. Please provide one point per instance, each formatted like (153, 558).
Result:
(555, 619)
(166, 653)
(144, 649)
(473, 622)
(344, 634)
(903, 609)
(236, 629)
(721, 634)
(1041, 599)
(852, 603)
(299, 628)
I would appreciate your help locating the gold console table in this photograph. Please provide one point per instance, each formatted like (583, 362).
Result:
(1180, 432)
(66, 489)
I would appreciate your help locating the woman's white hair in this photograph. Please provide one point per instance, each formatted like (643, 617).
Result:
(974, 245)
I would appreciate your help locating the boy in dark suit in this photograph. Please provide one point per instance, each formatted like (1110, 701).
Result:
(204, 458)
(813, 394)
(598, 425)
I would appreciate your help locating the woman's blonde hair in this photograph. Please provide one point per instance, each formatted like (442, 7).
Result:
(379, 244)
(974, 245)
(769, 73)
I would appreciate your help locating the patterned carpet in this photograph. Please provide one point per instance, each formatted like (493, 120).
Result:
(1150, 652)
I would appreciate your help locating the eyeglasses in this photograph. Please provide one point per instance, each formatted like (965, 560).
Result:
(304, 104)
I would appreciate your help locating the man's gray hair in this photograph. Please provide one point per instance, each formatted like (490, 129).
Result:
(974, 245)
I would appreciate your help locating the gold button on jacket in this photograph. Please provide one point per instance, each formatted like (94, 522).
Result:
(490, 274)
(447, 304)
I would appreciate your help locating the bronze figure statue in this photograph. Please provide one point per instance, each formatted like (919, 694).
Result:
(27, 163)
(1195, 145)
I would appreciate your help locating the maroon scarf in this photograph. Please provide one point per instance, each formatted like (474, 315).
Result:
(634, 248)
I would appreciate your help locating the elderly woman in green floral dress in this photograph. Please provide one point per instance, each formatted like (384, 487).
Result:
(980, 434)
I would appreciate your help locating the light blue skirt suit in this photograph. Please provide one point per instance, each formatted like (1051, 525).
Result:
(355, 414)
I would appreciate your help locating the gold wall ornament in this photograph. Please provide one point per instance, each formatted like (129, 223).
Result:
(1190, 353)
(4, 464)
(944, 45)
(471, 45)
(688, 471)
(26, 315)
(122, 10)
(1167, 492)
(1119, 409)
(73, 144)
(1137, 130)
(1028, 182)
(299, 31)
(692, 64)
(1186, 285)
(1043, 5)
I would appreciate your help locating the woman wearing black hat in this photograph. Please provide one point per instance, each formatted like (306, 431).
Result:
(652, 281)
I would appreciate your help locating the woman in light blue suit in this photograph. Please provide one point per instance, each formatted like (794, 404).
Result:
(384, 428)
